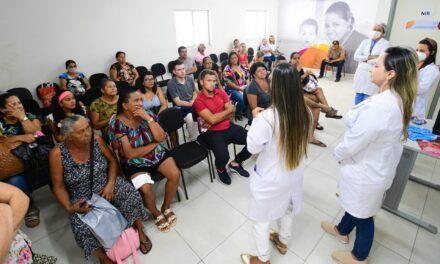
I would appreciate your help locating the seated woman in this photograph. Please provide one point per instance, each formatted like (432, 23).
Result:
(137, 137)
(122, 70)
(201, 54)
(236, 78)
(266, 48)
(242, 55)
(73, 80)
(311, 89)
(208, 64)
(153, 98)
(258, 92)
(16, 125)
(104, 108)
(63, 104)
(70, 173)
(14, 246)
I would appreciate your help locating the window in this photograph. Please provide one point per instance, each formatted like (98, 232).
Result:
(255, 24)
(192, 27)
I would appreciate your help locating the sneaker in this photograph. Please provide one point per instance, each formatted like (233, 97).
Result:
(239, 169)
(330, 228)
(224, 177)
(337, 79)
(346, 257)
(320, 76)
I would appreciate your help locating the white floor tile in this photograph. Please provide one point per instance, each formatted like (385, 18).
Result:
(382, 255)
(206, 222)
(426, 248)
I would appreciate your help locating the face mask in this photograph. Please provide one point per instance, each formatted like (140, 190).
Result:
(71, 70)
(421, 55)
(375, 34)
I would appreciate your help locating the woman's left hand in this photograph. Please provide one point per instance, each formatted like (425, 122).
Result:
(256, 111)
(142, 114)
(108, 191)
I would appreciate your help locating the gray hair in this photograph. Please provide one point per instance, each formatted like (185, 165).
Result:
(68, 122)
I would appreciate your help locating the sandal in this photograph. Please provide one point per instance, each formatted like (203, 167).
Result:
(333, 113)
(170, 216)
(32, 218)
(319, 127)
(318, 143)
(274, 237)
(145, 246)
(162, 224)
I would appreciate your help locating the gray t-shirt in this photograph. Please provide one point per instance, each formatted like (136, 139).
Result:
(263, 98)
(183, 91)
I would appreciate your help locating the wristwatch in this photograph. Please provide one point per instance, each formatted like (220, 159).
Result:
(151, 120)
(25, 118)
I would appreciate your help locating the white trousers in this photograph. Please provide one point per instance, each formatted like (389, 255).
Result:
(262, 233)
(191, 127)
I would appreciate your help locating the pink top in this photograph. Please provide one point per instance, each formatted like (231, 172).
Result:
(199, 58)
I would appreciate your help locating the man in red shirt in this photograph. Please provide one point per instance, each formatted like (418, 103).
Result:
(215, 109)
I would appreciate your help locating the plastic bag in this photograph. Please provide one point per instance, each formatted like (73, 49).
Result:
(105, 221)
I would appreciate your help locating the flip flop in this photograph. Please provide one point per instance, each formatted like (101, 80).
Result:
(147, 246)
(318, 143)
(32, 218)
(319, 127)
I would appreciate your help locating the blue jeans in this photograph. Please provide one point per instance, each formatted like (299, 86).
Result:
(18, 181)
(270, 59)
(237, 96)
(360, 97)
(364, 234)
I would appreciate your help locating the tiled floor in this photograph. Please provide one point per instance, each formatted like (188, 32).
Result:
(213, 227)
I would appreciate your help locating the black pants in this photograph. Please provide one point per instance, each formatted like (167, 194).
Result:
(218, 142)
(338, 64)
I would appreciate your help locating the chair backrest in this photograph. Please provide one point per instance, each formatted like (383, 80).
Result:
(224, 63)
(250, 51)
(123, 86)
(95, 79)
(31, 106)
(45, 92)
(250, 58)
(158, 69)
(91, 95)
(223, 56)
(142, 70)
(21, 93)
(214, 57)
(171, 119)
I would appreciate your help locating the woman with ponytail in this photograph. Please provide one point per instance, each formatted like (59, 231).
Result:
(371, 149)
(279, 135)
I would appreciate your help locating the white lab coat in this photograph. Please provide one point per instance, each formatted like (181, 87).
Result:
(273, 188)
(369, 153)
(428, 76)
(362, 76)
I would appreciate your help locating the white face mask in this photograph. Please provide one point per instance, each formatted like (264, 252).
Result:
(375, 34)
(421, 55)
(71, 70)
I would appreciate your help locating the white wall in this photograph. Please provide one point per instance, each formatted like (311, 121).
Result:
(37, 37)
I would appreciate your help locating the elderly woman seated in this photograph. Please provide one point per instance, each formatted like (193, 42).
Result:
(70, 172)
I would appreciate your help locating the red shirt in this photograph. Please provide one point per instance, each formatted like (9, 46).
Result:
(214, 104)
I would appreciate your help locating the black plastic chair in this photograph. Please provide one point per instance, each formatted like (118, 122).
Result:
(95, 79)
(188, 154)
(214, 58)
(21, 93)
(91, 95)
(142, 70)
(31, 106)
(223, 56)
(123, 86)
(158, 70)
(224, 63)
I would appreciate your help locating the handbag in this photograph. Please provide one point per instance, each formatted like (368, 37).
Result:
(104, 220)
(127, 245)
(12, 165)
(310, 83)
(36, 161)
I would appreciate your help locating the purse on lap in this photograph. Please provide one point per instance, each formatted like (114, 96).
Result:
(11, 165)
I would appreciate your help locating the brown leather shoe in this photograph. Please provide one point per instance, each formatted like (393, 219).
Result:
(275, 238)
(330, 228)
(249, 259)
(345, 257)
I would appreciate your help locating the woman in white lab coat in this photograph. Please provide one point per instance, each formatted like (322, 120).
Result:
(428, 75)
(279, 135)
(371, 149)
(367, 54)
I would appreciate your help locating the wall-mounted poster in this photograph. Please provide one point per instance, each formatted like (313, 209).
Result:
(309, 26)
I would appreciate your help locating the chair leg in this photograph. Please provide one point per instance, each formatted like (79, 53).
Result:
(184, 185)
(235, 151)
(212, 164)
(178, 196)
(209, 167)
